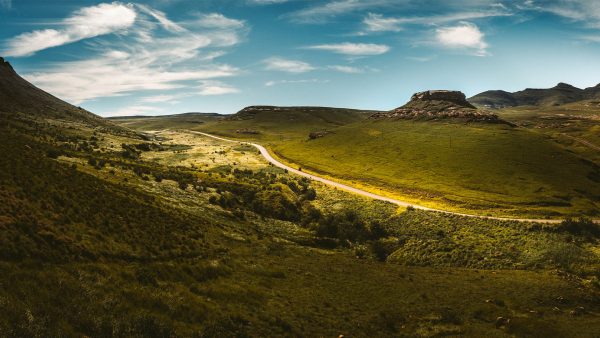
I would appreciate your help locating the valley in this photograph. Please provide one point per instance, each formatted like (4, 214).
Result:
(141, 227)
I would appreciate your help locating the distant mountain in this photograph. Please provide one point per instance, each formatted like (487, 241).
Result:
(438, 104)
(19, 97)
(558, 95)
(182, 115)
(304, 114)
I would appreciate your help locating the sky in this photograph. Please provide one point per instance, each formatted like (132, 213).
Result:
(156, 57)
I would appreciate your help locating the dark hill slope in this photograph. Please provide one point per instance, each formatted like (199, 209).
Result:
(558, 95)
(19, 98)
(338, 116)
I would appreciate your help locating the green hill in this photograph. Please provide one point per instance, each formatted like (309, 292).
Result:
(489, 169)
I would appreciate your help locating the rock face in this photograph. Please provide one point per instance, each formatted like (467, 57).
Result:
(452, 96)
(437, 105)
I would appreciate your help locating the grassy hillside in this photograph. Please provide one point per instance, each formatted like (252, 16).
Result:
(182, 121)
(268, 123)
(477, 167)
(575, 125)
(495, 169)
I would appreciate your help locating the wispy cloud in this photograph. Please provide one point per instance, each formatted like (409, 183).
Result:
(302, 81)
(287, 65)
(421, 58)
(586, 11)
(379, 23)
(463, 36)
(217, 20)
(346, 69)
(162, 18)
(323, 11)
(156, 54)
(85, 23)
(354, 49)
(210, 88)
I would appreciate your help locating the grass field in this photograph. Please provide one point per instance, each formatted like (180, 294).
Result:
(491, 168)
(487, 169)
(568, 124)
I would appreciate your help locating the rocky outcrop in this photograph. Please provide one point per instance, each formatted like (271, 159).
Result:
(438, 105)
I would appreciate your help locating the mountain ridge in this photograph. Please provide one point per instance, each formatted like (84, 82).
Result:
(560, 94)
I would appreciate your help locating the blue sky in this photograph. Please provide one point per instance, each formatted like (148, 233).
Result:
(173, 56)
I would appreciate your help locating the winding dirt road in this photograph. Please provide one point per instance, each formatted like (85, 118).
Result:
(265, 153)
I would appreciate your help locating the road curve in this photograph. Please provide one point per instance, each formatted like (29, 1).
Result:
(265, 153)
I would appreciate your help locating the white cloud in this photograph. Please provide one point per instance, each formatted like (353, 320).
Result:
(217, 20)
(145, 59)
(280, 82)
(378, 23)
(346, 69)
(320, 12)
(85, 23)
(356, 49)
(286, 65)
(162, 18)
(465, 35)
(209, 88)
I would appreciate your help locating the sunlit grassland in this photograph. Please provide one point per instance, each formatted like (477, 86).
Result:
(580, 120)
(480, 168)
(490, 169)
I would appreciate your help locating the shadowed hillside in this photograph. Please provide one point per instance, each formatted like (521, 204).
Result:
(20, 98)
(560, 94)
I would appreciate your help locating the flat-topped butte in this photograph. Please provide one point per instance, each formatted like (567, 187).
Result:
(437, 105)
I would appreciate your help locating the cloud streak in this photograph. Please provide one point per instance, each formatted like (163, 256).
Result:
(287, 65)
(156, 54)
(378, 23)
(85, 23)
(354, 49)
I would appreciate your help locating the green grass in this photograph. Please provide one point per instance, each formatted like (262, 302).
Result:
(488, 169)
(529, 171)
(563, 123)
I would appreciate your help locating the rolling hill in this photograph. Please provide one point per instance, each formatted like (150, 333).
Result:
(560, 94)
